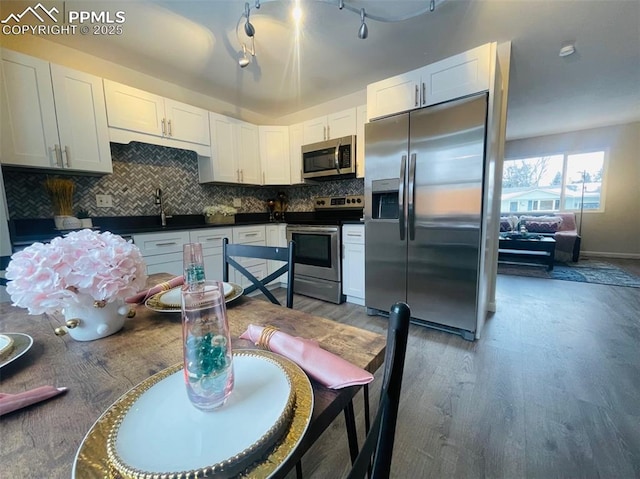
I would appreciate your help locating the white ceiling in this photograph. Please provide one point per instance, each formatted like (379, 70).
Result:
(194, 44)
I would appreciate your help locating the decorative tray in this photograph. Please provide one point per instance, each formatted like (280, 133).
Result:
(169, 301)
(262, 437)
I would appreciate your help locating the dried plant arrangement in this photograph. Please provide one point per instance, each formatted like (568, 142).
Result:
(60, 191)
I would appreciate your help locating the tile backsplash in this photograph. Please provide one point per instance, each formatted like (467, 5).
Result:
(139, 168)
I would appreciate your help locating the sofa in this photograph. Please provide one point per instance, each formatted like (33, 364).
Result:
(560, 226)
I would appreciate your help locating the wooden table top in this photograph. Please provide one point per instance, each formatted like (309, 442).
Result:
(42, 440)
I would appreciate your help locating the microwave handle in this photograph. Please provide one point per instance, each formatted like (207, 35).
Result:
(336, 157)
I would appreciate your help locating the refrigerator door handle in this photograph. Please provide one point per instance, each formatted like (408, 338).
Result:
(411, 220)
(401, 212)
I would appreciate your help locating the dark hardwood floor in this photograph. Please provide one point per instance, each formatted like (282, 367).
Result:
(551, 390)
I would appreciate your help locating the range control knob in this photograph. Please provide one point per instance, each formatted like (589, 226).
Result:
(348, 201)
(359, 200)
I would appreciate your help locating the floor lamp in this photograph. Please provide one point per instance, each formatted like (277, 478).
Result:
(584, 174)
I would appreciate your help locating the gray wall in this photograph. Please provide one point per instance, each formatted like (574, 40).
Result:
(616, 230)
(138, 169)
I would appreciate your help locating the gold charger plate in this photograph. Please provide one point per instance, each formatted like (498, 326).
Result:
(154, 304)
(92, 461)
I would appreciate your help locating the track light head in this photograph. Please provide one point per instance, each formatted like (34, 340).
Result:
(363, 31)
(248, 28)
(244, 60)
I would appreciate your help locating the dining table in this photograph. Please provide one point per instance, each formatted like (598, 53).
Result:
(42, 440)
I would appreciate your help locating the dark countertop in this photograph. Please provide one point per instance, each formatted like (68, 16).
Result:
(26, 231)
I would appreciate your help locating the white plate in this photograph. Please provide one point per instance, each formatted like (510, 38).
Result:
(172, 298)
(163, 433)
(92, 461)
(169, 301)
(21, 344)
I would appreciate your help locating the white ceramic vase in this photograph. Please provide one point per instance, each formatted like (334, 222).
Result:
(95, 321)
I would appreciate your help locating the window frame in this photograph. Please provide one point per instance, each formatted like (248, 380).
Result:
(561, 200)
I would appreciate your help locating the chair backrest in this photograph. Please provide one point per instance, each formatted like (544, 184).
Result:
(379, 441)
(276, 253)
(4, 262)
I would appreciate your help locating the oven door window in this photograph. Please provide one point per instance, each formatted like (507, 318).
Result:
(313, 249)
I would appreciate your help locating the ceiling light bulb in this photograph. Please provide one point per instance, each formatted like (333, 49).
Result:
(297, 14)
(248, 29)
(567, 50)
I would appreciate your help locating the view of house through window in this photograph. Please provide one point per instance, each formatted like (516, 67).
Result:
(553, 183)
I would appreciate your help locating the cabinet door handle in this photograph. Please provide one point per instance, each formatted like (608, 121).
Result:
(171, 243)
(424, 93)
(355, 235)
(170, 129)
(58, 153)
(66, 157)
(238, 175)
(164, 131)
(214, 238)
(264, 181)
(324, 132)
(417, 94)
(328, 132)
(242, 175)
(250, 234)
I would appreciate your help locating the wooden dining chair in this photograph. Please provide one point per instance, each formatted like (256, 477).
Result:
(275, 253)
(378, 444)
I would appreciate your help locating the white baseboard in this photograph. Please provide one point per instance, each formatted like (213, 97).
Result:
(604, 254)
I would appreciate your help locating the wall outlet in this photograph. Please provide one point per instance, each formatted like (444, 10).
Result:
(104, 201)
(237, 202)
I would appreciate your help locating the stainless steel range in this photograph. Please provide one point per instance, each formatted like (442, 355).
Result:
(318, 271)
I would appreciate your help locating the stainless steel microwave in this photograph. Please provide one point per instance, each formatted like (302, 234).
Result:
(329, 159)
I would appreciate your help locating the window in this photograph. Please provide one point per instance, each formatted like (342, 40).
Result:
(564, 182)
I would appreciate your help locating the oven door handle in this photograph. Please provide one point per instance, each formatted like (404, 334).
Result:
(313, 229)
(336, 157)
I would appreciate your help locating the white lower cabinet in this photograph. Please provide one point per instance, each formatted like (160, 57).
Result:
(277, 236)
(162, 252)
(250, 235)
(211, 240)
(353, 263)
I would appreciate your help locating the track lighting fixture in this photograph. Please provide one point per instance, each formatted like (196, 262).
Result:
(363, 31)
(248, 28)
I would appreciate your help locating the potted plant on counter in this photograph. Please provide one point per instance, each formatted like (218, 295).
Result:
(219, 214)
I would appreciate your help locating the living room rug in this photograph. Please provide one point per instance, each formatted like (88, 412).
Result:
(584, 271)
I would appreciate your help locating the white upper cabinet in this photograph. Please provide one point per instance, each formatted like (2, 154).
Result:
(52, 117)
(457, 76)
(296, 140)
(132, 112)
(274, 153)
(248, 148)
(336, 125)
(235, 152)
(393, 95)
(186, 122)
(360, 141)
(451, 78)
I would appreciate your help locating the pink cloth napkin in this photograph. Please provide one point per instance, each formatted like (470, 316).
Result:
(13, 402)
(330, 370)
(142, 296)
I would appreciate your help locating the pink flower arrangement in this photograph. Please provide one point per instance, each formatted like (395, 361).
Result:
(80, 268)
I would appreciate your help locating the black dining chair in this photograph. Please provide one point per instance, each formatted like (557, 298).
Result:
(378, 444)
(275, 253)
(4, 262)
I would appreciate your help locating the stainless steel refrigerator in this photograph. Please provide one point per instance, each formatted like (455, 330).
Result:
(424, 177)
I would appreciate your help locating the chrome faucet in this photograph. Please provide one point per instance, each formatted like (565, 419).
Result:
(159, 202)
